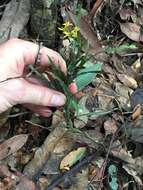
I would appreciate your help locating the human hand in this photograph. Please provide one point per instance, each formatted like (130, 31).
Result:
(15, 55)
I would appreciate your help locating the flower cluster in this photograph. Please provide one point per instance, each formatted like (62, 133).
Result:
(69, 31)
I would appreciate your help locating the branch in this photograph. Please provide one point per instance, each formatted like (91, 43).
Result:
(72, 171)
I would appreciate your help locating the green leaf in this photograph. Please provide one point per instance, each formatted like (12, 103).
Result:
(72, 158)
(121, 48)
(86, 75)
(73, 104)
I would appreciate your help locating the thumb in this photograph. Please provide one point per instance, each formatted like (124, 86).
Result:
(20, 91)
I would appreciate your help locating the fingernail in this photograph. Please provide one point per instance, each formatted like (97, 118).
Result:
(58, 100)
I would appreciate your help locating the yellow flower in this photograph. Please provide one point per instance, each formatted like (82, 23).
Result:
(61, 29)
(75, 32)
(68, 31)
(66, 34)
(67, 24)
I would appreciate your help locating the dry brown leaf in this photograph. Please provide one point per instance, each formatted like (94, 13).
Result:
(12, 145)
(136, 65)
(43, 182)
(7, 184)
(4, 117)
(122, 153)
(96, 6)
(42, 153)
(125, 13)
(133, 173)
(70, 159)
(4, 171)
(110, 126)
(127, 81)
(25, 183)
(136, 112)
(80, 180)
(58, 116)
(131, 30)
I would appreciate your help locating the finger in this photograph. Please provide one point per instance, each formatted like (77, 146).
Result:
(40, 95)
(20, 91)
(34, 80)
(27, 51)
(73, 88)
(41, 110)
(31, 51)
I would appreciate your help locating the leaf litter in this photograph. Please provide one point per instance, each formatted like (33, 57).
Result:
(95, 141)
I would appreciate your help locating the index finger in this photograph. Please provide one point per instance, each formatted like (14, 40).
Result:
(29, 52)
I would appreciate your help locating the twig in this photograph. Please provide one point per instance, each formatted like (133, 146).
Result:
(36, 125)
(17, 114)
(75, 169)
(106, 159)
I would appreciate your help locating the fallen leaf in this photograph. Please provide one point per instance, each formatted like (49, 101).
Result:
(4, 117)
(62, 148)
(110, 126)
(133, 173)
(125, 13)
(43, 152)
(42, 183)
(72, 158)
(137, 2)
(86, 31)
(80, 180)
(127, 80)
(7, 184)
(121, 153)
(95, 7)
(131, 30)
(12, 145)
(4, 171)
(58, 116)
(137, 98)
(136, 112)
(123, 95)
(135, 134)
(136, 65)
(25, 183)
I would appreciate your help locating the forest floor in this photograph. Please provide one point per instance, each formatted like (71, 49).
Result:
(94, 142)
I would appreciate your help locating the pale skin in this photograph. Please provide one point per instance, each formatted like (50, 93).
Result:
(15, 55)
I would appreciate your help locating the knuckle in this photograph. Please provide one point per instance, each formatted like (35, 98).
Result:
(17, 84)
(44, 97)
(17, 87)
